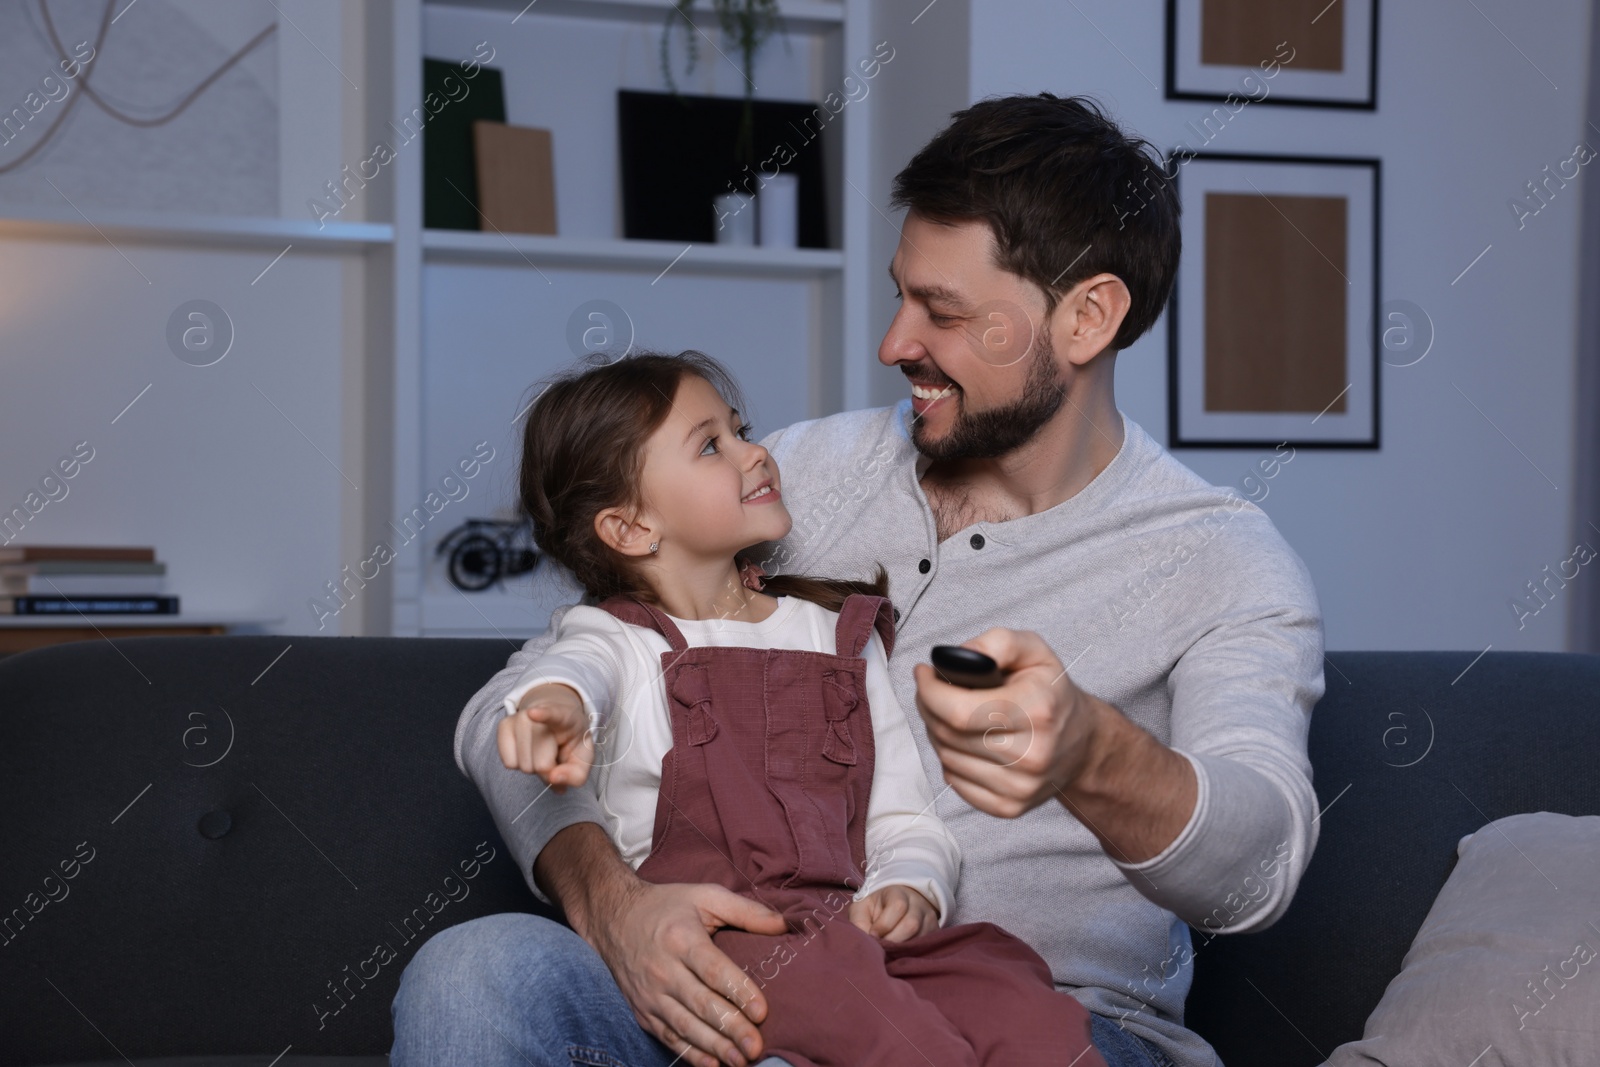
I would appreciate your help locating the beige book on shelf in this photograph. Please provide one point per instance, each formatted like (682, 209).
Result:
(516, 178)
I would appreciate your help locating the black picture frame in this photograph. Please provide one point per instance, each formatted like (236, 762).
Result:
(1182, 431)
(1176, 52)
(677, 154)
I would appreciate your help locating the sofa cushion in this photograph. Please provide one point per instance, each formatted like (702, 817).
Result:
(1506, 967)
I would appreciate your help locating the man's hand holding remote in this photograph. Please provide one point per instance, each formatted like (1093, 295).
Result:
(1010, 748)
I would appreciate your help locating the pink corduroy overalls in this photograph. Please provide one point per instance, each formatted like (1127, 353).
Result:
(764, 792)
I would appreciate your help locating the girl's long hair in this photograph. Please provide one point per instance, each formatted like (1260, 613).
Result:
(583, 451)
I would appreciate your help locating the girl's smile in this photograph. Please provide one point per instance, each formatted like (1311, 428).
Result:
(765, 493)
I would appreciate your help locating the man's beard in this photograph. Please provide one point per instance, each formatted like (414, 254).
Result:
(999, 431)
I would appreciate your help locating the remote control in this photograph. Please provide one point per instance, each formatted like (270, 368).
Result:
(967, 668)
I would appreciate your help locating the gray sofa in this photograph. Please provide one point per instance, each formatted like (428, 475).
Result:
(217, 855)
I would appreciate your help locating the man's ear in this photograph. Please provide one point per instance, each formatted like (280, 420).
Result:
(624, 532)
(1089, 316)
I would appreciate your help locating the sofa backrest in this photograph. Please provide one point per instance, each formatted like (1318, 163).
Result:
(256, 845)
(1411, 751)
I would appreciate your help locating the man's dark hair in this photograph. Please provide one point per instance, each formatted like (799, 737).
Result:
(1052, 175)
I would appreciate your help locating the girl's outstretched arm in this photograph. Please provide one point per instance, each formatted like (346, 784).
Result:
(526, 811)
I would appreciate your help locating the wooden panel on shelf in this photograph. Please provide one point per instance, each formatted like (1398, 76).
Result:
(516, 182)
(13, 641)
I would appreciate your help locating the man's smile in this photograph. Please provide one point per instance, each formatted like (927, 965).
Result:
(922, 392)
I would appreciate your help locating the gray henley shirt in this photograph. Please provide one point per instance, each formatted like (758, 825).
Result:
(1174, 600)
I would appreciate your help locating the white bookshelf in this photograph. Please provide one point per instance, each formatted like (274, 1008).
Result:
(479, 317)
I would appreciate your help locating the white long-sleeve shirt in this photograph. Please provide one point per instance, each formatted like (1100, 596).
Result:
(615, 667)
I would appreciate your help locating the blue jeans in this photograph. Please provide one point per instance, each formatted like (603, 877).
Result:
(518, 990)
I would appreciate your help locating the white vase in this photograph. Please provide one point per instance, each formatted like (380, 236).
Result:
(778, 207)
(734, 216)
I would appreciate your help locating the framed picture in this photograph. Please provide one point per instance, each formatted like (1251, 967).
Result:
(1273, 322)
(1313, 53)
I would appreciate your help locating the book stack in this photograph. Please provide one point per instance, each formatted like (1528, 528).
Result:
(83, 579)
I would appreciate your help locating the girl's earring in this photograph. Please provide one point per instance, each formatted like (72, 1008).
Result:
(654, 545)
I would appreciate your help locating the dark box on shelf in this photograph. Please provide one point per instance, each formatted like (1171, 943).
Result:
(679, 153)
(449, 168)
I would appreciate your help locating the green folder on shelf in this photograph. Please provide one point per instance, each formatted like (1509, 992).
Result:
(449, 174)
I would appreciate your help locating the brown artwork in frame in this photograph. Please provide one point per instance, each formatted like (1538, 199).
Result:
(1273, 329)
(1310, 53)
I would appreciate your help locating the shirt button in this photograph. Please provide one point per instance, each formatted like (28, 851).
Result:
(977, 540)
(896, 614)
(925, 566)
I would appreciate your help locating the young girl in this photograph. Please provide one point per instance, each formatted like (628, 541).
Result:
(742, 731)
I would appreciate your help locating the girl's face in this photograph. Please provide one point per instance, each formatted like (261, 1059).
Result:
(712, 491)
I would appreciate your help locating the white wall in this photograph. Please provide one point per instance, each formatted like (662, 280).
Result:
(241, 506)
(241, 498)
(1422, 544)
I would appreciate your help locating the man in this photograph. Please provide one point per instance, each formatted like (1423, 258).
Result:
(1143, 770)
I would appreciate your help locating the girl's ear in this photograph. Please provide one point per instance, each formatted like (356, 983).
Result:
(628, 536)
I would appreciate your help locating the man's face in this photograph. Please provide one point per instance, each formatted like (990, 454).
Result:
(972, 340)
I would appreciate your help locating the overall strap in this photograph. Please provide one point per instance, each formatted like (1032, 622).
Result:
(635, 611)
(857, 617)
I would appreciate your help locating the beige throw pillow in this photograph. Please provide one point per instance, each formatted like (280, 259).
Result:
(1505, 971)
